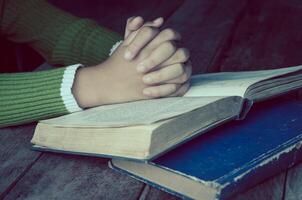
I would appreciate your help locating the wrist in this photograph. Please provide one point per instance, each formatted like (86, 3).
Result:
(85, 87)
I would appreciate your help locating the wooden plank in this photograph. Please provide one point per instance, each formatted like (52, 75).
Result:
(204, 26)
(151, 193)
(271, 189)
(15, 155)
(293, 189)
(27, 172)
(58, 176)
(269, 35)
(113, 14)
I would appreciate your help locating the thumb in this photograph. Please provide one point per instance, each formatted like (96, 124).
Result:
(133, 24)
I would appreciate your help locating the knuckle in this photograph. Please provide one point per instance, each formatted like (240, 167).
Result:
(170, 46)
(180, 68)
(186, 87)
(183, 55)
(148, 31)
(152, 63)
(180, 56)
(183, 91)
(184, 78)
(144, 54)
(133, 47)
(158, 76)
(170, 33)
(179, 81)
(155, 93)
(173, 87)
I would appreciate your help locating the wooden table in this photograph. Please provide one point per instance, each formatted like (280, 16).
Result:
(222, 36)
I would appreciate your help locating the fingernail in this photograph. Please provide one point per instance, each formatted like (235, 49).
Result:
(158, 20)
(147, 92)
(128, 55)
(138, 18)
(147, 79)
(140, 68)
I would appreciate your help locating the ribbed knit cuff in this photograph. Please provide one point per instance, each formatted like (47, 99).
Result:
(66, 88)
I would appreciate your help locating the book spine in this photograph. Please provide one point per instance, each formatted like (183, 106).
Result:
(122, 171)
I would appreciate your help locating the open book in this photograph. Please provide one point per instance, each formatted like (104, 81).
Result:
(146, 129)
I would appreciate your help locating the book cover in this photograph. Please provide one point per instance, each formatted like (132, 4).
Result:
(233, 157)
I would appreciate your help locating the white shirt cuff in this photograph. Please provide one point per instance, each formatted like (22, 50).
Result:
(66, 88)
(114, 47)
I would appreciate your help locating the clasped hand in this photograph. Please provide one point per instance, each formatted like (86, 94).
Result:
(146, 65)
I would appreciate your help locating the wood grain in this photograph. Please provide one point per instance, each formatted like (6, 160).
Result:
(293, 189)
(56, 176)
(204, 26)
(268, 35)
(271, 189)
(228, 35)
(151, 193)
(72, 177)
(15, 155)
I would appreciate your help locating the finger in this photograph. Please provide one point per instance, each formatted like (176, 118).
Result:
(183, 77)
(132, 34)
(143, 37)
(165, 35)
(156, 24)
(181, 55)
(159, 55)
(182, 90)
(164, 74)
(133, 24)
(161, 90)
(159, 21)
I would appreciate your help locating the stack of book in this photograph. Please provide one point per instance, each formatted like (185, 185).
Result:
(175, 144)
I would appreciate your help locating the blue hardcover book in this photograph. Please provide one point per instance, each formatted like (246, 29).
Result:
(230, 158)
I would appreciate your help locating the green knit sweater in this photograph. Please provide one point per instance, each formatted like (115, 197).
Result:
(62, 39)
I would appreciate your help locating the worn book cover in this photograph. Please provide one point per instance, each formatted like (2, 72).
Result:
(230, 158)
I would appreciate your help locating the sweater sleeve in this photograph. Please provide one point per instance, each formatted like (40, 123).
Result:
(31, 96)
(62, 39)
(58, 36)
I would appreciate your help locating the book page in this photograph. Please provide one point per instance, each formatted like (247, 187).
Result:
(232, 83)
(132, 113)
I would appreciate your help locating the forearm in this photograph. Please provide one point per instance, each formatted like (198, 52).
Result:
(27, 97)
(60, 37)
